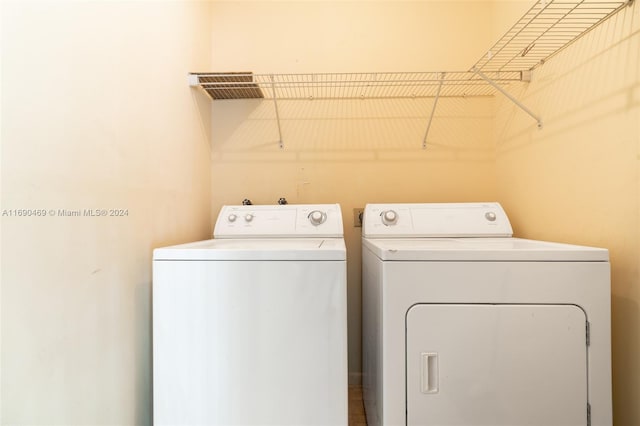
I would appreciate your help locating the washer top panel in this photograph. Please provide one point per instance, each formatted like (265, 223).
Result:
(256, 249)
(481, 249)
(285, 221)
(435, 220)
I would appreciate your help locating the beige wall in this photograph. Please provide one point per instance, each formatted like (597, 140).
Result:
(576, 180)
(96, 114)
(350, 36)
(351, 152)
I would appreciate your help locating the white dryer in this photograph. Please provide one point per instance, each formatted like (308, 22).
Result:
(465, 325)
(250, 328)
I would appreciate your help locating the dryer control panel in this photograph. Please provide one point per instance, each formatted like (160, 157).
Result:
(435, 220)
(280, 221)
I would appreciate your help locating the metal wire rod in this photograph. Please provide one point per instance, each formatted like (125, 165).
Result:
(275, 103)
(433, 110)
(509, 96)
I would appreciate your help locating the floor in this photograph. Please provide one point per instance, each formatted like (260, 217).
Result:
(356, 407)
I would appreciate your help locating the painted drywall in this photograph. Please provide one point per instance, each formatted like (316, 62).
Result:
(576, 180)
(96, 115)
(350, 36)
(352, 152)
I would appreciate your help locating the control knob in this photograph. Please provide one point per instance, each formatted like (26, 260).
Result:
(490, 216)
(389, 217)
(232, 217)
(317, 217)
(248, 217)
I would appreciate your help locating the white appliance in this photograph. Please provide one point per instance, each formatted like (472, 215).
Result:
(250, 328)
(465, 325)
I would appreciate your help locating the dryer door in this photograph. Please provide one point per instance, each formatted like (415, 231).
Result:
(494, 365)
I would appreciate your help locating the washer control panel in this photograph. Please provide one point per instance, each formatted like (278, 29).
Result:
(435, 220)
(287, 221)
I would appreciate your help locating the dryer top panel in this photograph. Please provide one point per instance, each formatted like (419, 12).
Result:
(481, 249)
(280, 221)
(435, 220)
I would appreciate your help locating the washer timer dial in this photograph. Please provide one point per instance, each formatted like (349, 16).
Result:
(317, 217)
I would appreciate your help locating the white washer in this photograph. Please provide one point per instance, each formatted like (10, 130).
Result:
(465, 325)
(250, 328)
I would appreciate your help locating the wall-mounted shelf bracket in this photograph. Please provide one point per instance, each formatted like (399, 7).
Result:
(508, 95)
(275, 104)
(433, 110)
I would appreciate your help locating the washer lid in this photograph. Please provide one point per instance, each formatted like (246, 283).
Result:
(481, 249)
(256, 249)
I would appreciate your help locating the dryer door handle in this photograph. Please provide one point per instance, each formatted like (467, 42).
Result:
(429, 372)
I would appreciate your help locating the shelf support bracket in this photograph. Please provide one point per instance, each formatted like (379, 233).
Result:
(433, 110)
(275, 103)
(508, 95)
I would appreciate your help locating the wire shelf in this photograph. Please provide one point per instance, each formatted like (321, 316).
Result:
(547, 28)
(350, 85)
